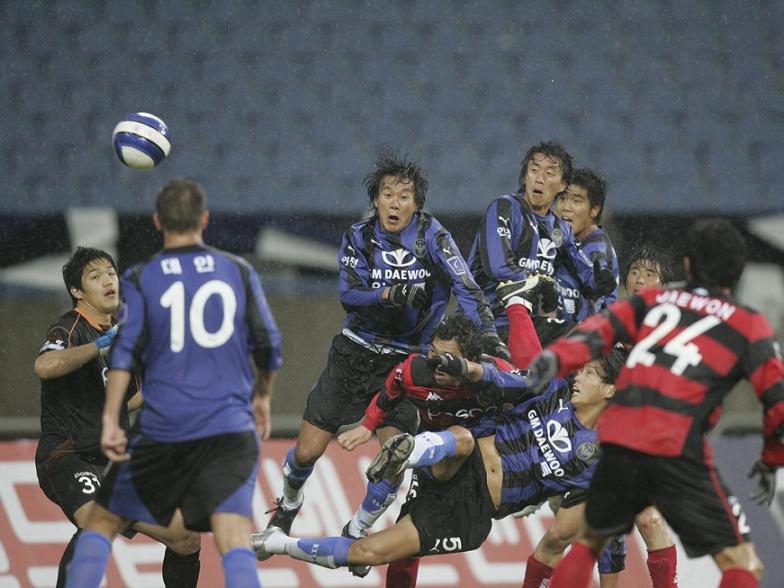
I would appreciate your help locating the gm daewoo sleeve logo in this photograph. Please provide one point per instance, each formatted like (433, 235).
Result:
(398, 258)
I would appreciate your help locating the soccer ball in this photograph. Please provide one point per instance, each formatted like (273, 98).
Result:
(141, 140)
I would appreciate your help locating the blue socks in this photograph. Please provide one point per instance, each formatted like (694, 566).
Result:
(294, 477)
(329, 552)
(430, 448)
(89, 560)
(378, 497)
(239, 567)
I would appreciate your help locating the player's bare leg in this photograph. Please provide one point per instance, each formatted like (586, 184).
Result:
(740, 566)
(398, 542)
(181, 563)
(232, 538)
(662, 557)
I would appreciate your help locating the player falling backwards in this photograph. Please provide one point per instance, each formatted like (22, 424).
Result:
(461, 484)
(398, 270)
(444, 400)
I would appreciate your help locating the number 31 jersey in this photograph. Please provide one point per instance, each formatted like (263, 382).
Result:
(192, 317)
(691, 346)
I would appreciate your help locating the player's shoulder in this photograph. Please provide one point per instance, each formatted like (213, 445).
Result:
(65, 321)
(233, 258)
(505, 202)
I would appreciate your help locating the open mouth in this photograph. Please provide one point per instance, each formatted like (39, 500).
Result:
(110, 293)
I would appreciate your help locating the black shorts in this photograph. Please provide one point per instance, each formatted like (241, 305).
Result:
(452, 516)
(71, 480)
(352, 377)
(689, 494)
(200, 477)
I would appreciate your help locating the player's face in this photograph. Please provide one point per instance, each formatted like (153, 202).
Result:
(643, 274)
(395, 203)
(543, 181)
(574, 207)
(588, 388)
(438, 346)
(100, 287)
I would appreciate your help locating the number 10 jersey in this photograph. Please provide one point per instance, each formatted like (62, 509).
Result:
(190, 320)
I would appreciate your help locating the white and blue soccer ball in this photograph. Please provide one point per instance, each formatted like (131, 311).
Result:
(141, 140)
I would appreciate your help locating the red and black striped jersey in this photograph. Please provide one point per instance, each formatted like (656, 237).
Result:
(690, 347)
(72, 405)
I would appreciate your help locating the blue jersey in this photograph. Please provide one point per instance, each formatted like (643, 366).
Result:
(513, 242)
(573, 305)
(193, 316)
(423, 253)
(545, 450)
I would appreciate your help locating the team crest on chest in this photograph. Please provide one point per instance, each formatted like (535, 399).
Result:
(557, 237)
(586, 451)
(420, 248)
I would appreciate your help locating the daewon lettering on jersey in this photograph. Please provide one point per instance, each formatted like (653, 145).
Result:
(691, 346)
(193, 315)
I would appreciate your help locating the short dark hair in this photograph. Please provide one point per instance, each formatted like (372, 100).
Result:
(650, 253)
(403, 169)
(594, 184)
(463, 330)
(74, 267)
(179, 205)
(612, 363)
(553, 149)
(717, 253)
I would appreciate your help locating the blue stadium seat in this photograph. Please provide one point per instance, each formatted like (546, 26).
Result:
(306, 92)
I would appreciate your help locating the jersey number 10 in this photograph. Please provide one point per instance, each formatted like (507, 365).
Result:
(174, 299)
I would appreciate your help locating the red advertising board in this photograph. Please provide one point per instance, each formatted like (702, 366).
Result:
(34, 532)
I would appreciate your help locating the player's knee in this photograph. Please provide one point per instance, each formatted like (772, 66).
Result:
(185, 543)
(553, 542)
(306, 456)
(363, 552)
(743, 557)
(464, 440)
(651, 525)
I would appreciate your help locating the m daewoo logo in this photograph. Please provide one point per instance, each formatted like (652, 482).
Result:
(398, 258)
(546, 249)
(558, 437)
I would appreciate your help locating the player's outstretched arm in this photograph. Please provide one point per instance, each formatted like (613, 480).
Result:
(59, 363)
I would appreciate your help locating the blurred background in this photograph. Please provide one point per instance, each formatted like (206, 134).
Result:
(279, 109)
